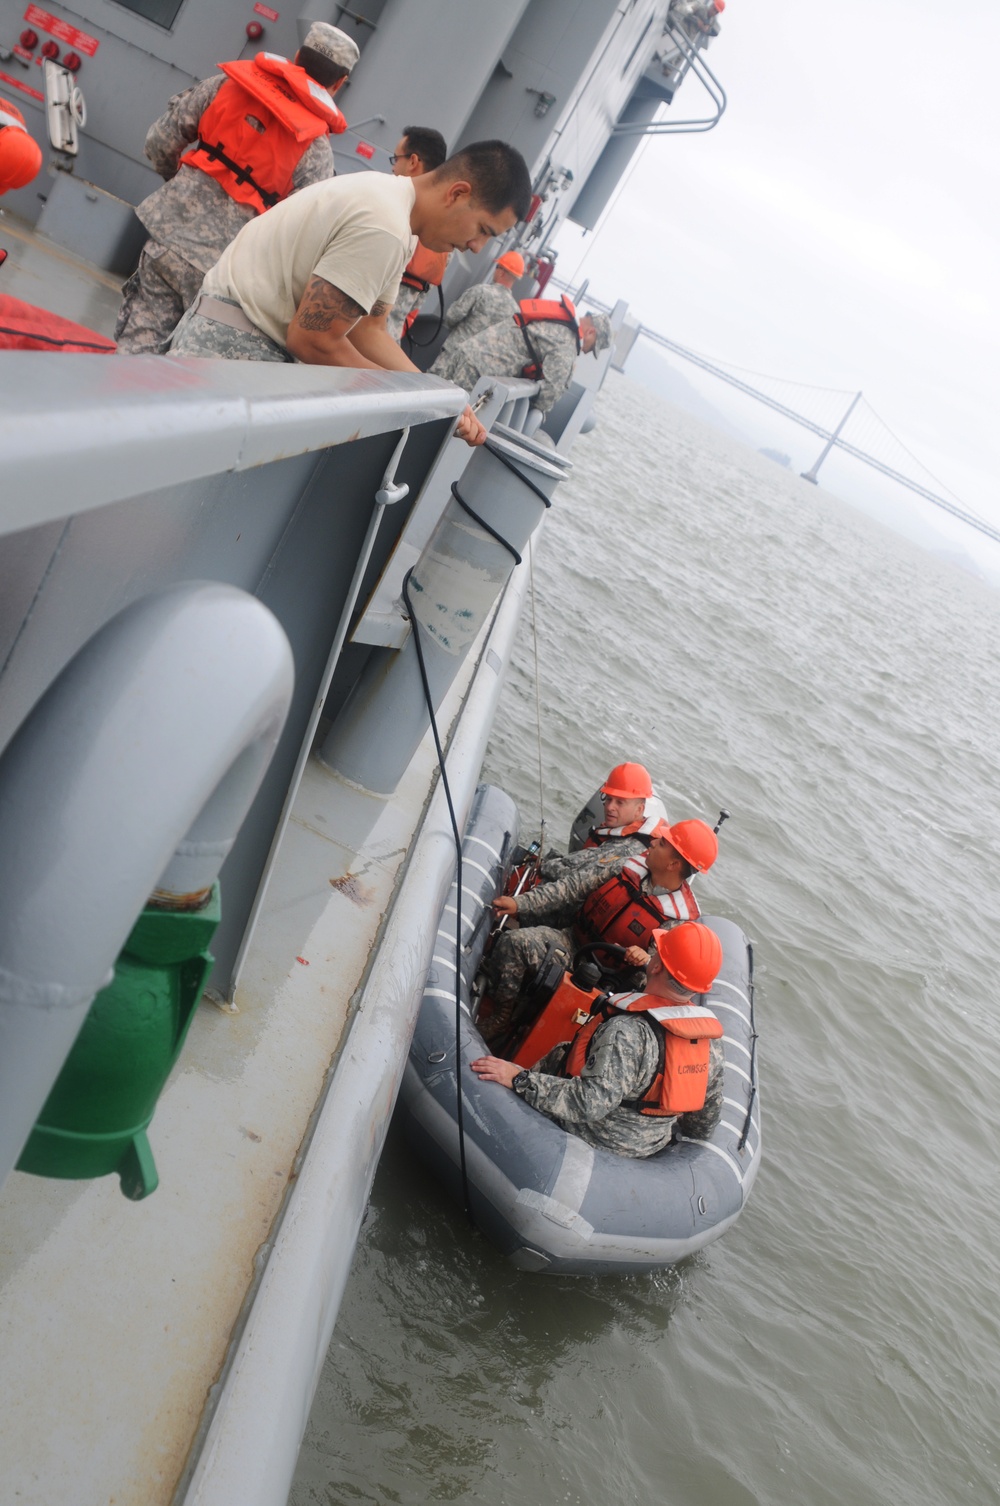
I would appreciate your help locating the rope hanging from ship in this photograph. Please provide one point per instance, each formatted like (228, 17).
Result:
(456, 834)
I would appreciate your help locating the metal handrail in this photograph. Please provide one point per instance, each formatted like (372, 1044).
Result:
(705, 77)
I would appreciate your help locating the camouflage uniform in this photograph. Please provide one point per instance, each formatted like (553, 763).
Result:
(197, 335)
(623, 1059)
(500, 351)
(480, 307)
(592, 859)
(191, 220)
(409, 299)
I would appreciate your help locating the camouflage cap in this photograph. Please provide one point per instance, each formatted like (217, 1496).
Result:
(332, 43)
(602, 324)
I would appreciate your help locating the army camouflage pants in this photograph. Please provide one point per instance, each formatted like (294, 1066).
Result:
(197, 335)
(516, 953)
(153, 300)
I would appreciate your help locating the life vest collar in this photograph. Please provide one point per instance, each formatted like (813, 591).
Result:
(692, 1021)
(260, 123)
(543, 311)
(549, 311)
(683, 1031)
(640, 828)
(281, 85)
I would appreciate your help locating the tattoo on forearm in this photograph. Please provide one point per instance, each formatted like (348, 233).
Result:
(323, 305)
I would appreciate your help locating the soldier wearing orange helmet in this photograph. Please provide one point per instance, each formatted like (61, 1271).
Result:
(20, 154)
(645, 1066)
(631, 812)
(486, 303)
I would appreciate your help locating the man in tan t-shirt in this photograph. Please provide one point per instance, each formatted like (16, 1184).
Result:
(314, 279)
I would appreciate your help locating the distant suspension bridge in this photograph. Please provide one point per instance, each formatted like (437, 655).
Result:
(867, 427)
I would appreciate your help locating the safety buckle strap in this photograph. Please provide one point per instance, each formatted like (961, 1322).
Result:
(242, 174)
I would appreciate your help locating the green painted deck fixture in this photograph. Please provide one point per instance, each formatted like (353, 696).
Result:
(94, 1120)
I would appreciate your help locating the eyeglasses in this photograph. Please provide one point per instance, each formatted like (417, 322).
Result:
(400, 157)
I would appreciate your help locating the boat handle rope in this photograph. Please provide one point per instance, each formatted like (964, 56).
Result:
(753, 1057)
(429, 699)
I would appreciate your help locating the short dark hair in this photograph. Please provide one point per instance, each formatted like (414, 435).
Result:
(427, 144)
(321, 68)
(498, 174)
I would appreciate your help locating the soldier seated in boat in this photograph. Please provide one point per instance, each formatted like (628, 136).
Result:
(645, 1066)
(620, 902)
(625, 831)
(229, 148)
(314, 279)
(540, 343)
(419, 150)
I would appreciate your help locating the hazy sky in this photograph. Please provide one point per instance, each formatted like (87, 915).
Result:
(840, 226)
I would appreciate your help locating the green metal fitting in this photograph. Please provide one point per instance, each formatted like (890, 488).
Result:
(95, 1119)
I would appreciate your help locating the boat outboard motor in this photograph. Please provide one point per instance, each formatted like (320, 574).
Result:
(540, 985)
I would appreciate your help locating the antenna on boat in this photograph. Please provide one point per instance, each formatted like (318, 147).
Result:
(723, 816)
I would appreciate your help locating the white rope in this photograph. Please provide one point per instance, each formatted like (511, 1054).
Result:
(538, 703)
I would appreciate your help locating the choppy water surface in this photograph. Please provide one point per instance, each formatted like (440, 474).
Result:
(760, 646)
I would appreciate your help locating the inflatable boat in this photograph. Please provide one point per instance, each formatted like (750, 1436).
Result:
(546, 1199)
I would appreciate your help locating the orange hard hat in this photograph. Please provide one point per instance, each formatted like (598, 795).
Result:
(691, 953)
(20, 154)
(513, 262)
(694, 840)
(629, 781)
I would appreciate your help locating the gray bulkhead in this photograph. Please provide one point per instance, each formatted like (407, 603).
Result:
(550, 76)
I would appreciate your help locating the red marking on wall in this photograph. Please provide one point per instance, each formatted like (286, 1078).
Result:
(266, 12)
(303, 960)
(15, 83)
(364, 150)
(73, 37)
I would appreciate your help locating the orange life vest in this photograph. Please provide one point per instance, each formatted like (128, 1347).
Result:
(255, 163)
(641, 828)
(544, 311)
(10, 115)
(425, 269)
(621, 914)
(680, 1083)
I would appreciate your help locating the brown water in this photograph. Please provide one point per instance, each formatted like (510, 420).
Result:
(760, 646)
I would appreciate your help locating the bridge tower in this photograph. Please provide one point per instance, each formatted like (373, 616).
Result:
(811, 475)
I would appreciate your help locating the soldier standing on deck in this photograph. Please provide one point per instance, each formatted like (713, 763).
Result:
(486, 303)
(262, 128)
(419, 150)
(547, 356)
